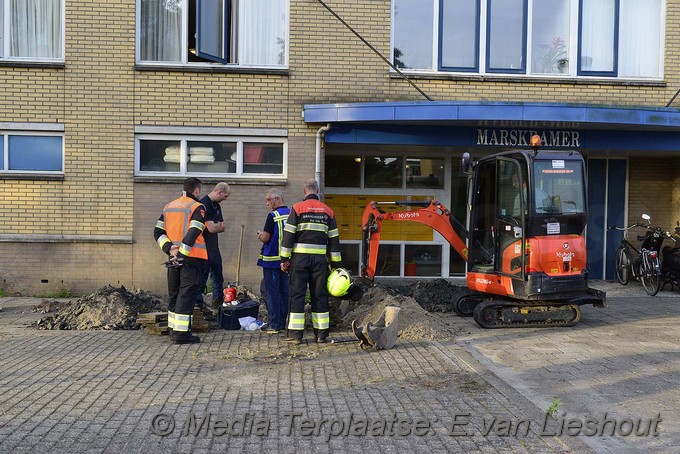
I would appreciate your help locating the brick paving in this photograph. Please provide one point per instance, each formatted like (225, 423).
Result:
(623, 360)
(101, 391)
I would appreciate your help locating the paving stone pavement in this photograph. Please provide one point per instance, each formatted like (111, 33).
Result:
(103, 391)
(623, 360)
(118, 391)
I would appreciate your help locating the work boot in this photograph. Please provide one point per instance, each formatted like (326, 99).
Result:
(185, 337)
(294, 337)
(171, 333)
(321, 336)
(215, 307)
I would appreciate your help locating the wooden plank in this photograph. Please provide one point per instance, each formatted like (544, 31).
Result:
(152, 317)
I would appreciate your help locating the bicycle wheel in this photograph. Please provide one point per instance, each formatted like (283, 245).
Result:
(623, 265)
(650, 274)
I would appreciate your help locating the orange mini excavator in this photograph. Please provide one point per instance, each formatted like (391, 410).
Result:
(523, 243)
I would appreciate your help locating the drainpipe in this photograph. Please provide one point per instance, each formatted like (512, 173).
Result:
(317, 168)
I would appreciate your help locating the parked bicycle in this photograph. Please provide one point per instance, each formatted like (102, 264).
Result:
(670, 260)
(646, 265)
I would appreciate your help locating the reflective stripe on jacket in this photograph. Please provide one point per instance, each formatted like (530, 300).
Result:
(177, 217)
(311, 229)
(270, 249)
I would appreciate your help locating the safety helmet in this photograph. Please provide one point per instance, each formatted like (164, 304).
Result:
(339, 282)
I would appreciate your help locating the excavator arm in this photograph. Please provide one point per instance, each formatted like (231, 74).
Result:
(433, 214)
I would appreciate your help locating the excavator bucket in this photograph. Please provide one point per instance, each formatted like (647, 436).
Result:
(382, 334)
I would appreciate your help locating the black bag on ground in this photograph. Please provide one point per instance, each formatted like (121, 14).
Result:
(229, 315)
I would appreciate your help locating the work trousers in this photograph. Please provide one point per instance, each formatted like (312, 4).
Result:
(216, 277)
(276, 296)
(309, 270)
(183, 289)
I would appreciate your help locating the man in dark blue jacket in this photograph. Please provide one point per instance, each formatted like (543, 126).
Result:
(275, 280)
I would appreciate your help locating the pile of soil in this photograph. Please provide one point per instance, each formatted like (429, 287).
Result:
(419, 303)
(108, 308)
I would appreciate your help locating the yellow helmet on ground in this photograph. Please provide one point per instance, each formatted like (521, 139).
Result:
(339, 282)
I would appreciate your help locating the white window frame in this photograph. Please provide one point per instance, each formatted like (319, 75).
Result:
(184, 59)
(183, 138)
(4, 37)
(7, 130)
(574, 43)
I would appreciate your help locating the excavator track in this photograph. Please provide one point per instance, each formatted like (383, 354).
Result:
(507, 314)
(464, 303)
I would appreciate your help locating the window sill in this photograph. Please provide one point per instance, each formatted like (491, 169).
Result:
(32, 64)
(582, 80)
(255, 181)
(31, 176)
(211, 69)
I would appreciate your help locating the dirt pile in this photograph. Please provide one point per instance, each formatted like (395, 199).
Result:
(417, 301)
(421, 304)
(108, 308)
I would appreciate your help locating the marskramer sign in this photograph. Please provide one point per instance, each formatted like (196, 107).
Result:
(522, 137)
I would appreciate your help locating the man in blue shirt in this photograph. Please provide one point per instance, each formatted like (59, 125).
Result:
(275, 280)
(214, 224)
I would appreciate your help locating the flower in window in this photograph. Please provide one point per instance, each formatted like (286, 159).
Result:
(552, 58)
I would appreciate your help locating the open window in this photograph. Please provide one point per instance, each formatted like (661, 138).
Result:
(229, 32)
(212, 29)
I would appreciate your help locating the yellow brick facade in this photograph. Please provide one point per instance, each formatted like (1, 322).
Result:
(100, 96)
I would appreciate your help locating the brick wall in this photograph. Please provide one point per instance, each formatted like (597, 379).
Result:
(45, 268)
(100, 97)
(652, 185)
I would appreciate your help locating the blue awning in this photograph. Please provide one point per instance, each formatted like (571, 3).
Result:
(500, 124)
(502, 114)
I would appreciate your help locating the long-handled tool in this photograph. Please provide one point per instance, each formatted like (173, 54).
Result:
(238, 260)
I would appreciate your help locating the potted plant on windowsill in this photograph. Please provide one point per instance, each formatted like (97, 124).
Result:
(552, 58)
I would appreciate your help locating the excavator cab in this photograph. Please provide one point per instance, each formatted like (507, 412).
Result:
(526, 223)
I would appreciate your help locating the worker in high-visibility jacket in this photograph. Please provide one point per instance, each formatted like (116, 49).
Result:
(276, 283)
(310, 235)
(179, 233)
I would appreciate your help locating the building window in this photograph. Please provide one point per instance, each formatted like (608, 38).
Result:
(550, 37)
(343, 171)
(506, 29)
(404, 170)
(423, 260)
(32, 30)
(31, 152)
(425, 173)
(564, 38)
(210, 156)
(383, 171)
(250, 33)
(413, 34)
(459, 31)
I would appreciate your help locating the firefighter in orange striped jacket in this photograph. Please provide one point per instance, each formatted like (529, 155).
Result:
(179, 233)
(310, 234)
